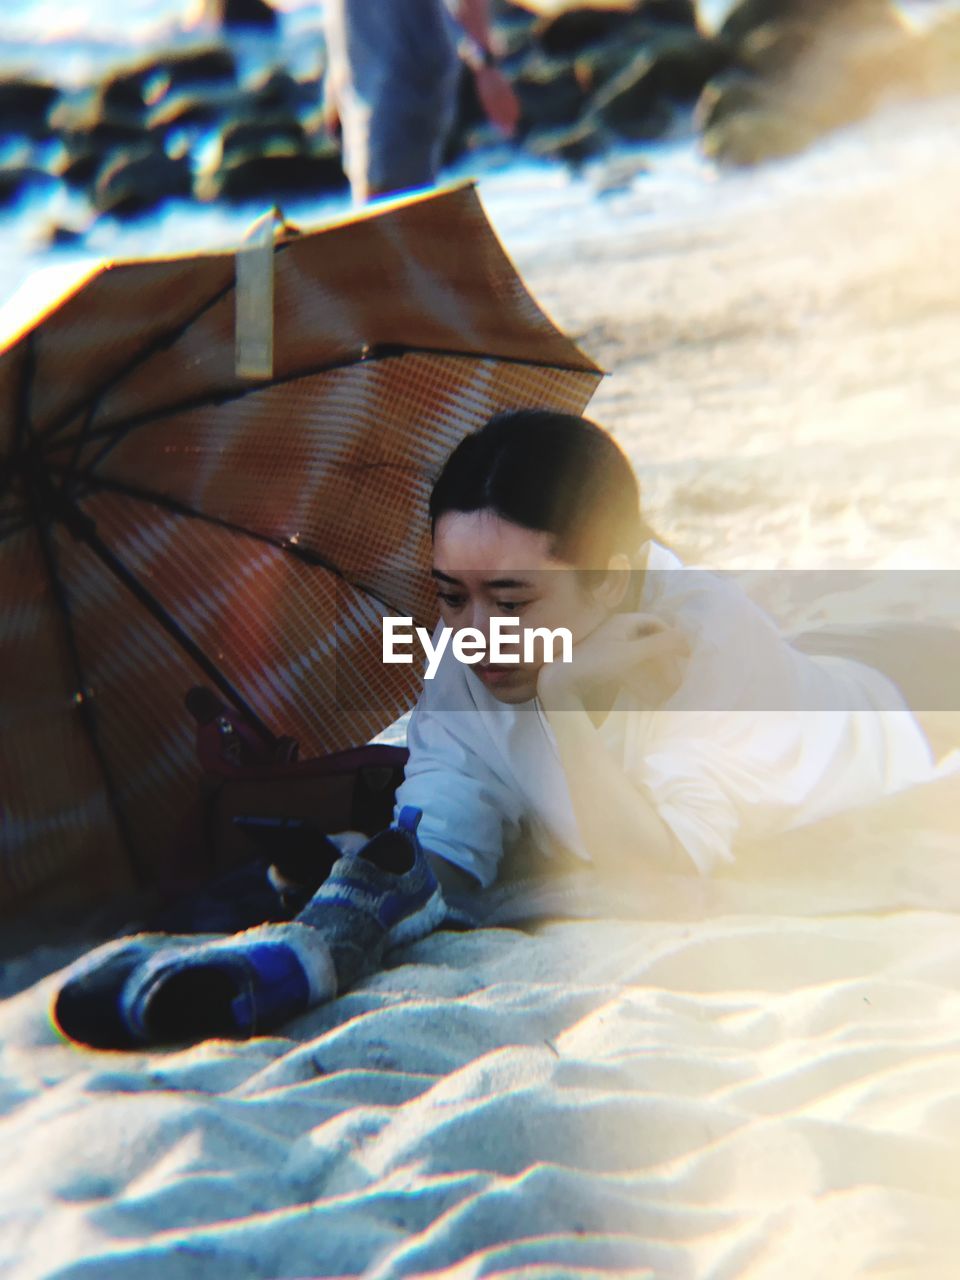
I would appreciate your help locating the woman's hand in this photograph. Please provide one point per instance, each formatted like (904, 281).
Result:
(633, 650)
(495, 92)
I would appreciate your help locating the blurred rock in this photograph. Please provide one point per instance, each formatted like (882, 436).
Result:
(747, 137)
(748, 15)
(81, 161)
(109, 134)
(575, 145)
(178, 88)
(507, 11)
(679, 13)
(278, 90)
(745, 121)
(25, 106)
(812, 66)
(843, 79)
(775, 38)
(680, 66)
(56, 235)
(726, 96)
(271, 96)
(779, 74)
(619, 175)
(191, 110)
(636, 104)
(245, 138)
(188, 68)
(511, 31)
(549, 93)
(137, 181)
(631, 120)
(775, 49)
(600, 63)
(104, 126)
(149, 79)
(78, 167)
(233, 14)
(571, 32)
(17, 180)
(123, 95)
(284, 171)
(19, 154)
(937, 68)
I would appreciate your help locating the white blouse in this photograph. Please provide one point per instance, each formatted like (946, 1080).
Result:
(758, 737)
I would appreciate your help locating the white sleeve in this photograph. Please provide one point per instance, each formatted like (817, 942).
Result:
(470, 811)
(715, 777)
(762, 738)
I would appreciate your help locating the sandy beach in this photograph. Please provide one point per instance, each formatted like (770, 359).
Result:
(750, 1078)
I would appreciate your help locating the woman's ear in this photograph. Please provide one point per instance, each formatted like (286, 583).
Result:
(611, 591)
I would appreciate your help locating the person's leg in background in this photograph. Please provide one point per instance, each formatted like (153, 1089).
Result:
(392, 79)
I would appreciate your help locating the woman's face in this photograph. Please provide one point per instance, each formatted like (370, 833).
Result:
(486, 567)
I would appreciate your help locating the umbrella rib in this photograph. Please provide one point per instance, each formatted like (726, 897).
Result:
(21, 418)
(393, 351)
(83, 527)
(24, 430)
(313, 558)
(165, 339)
(84, 704)
(24, 389)
(80, 441)
(12, 525)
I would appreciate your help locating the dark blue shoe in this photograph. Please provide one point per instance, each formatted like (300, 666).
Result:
(153, 991)
(89, 1008)
(154, 994)
(240, 986)
(380, 897)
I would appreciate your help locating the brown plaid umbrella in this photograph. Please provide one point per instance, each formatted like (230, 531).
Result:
(165, 522)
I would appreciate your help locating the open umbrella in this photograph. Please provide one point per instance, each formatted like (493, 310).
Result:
(167, 522)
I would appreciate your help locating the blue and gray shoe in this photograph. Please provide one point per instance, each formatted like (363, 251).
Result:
(380, 897)
(154, 991)
(240, 986)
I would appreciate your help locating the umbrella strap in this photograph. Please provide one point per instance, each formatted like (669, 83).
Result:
(253, 354)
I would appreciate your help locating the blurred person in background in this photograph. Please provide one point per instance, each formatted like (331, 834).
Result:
(392, 80)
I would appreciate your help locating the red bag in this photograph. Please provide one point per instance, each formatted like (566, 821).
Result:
(248, 774)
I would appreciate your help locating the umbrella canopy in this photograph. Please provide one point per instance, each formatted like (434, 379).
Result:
(165, 522)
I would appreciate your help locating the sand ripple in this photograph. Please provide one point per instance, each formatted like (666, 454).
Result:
(739, 1096)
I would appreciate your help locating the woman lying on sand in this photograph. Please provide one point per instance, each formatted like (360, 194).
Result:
(683, 723)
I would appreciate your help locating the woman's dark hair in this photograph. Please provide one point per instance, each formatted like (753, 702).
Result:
(552, 472)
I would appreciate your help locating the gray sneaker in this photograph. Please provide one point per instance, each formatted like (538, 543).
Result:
(380, 897)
